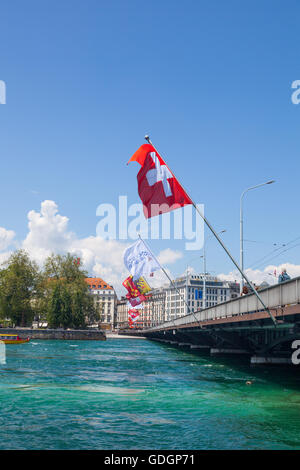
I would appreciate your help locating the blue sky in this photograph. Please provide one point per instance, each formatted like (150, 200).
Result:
(210, 81)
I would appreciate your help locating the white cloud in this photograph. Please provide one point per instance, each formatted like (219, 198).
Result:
(6, 238)
(48, 233)
(159, 278)
(169, 256)
(189, 270)
(6, 241)
(4, 257)
(267, 275)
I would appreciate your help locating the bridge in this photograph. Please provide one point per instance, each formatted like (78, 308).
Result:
(241, 326)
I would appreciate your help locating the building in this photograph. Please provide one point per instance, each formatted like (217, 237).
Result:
(151, 314)
(122, 313)
(155, 307)
(192, 293)
(195, 292)
(234, 289)
(105, 299)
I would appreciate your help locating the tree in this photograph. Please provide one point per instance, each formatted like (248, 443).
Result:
(19, 286)
(69, 303)
(66, 319)
(79, 309)
(93, 311)
(54, 307)
(64, 267)
(59, 293)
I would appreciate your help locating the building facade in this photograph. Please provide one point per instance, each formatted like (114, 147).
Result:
(105, 299)
(122, 313)
(196, 292)
(192, 293)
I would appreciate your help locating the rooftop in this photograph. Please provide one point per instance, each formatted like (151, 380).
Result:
(97, 283)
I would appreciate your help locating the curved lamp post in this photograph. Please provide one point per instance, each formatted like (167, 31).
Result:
(241, 227)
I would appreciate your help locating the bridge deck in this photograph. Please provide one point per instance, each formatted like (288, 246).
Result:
(282, 299)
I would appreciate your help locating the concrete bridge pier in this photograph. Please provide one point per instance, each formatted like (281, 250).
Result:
(270, 360)
(223, 351)
(241, 327)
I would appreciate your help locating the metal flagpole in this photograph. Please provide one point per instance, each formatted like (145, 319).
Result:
(172, 282)
(223, 246)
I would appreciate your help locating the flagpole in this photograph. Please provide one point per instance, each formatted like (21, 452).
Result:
(172, 282)
(147, 138)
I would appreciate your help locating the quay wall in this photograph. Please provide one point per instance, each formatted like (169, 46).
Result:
(97, 335)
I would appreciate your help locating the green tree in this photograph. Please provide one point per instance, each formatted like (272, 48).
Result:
(66, 319)
(69, 303)
(54, 307)
(94, 311)
(64, 267)
(19, 286)
(79, 309)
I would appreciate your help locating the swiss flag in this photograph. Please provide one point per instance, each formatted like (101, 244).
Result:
(158, 188)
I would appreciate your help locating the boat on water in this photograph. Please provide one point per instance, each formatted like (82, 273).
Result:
(12, 339)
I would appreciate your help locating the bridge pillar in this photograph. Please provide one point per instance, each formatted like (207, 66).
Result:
(270, 360)
(216, 351)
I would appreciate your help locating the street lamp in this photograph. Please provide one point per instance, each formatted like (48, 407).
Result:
(241, 227)
(204, 271)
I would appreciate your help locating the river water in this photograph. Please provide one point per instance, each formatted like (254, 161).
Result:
(135, 394)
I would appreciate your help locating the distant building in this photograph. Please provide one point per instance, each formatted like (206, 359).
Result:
(154, 309)
(122, 313)
(192, 293)
(234, 289)
(152, 313)
(105, 299)
(197, 292)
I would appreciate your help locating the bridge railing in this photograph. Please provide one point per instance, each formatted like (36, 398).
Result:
(275, 296)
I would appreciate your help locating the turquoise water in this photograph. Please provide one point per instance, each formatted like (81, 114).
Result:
(135, 394)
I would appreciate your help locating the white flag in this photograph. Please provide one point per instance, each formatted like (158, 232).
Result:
(139, 260)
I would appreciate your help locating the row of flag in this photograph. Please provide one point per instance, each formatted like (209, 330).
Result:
(160, 192)
(139, 261)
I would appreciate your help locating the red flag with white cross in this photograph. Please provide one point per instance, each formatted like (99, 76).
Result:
(158, 188)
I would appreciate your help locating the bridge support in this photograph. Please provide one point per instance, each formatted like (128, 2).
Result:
(216, 351)
(270, 360)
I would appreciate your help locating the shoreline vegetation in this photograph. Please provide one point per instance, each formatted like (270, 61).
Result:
(55, 293)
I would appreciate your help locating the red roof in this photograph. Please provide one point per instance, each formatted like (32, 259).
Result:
(97, 283)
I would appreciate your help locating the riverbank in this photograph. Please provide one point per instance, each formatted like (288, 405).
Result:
(116, 336)
(96, 335)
